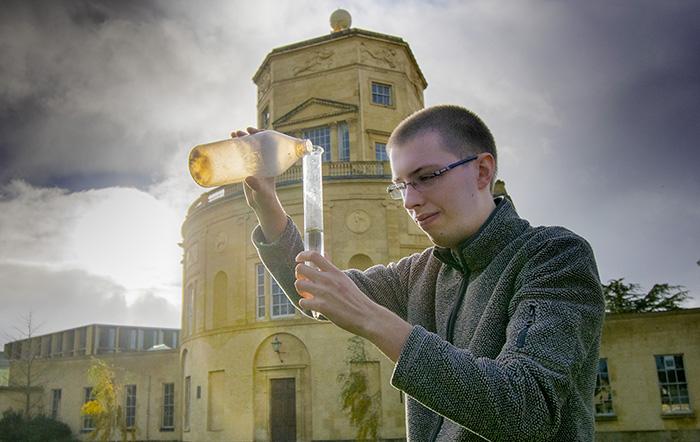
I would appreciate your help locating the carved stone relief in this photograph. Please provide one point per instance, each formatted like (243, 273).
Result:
(358, 221)
(319, 60)
(382, 55)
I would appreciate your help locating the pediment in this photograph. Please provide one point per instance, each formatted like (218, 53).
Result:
(314, 109)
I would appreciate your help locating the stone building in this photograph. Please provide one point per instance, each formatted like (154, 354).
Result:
(266, 371)
(145, 363)
(648, 386)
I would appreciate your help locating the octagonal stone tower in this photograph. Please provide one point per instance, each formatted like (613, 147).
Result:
(252, 367)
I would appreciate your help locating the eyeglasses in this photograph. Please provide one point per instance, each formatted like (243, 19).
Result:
(397, 191)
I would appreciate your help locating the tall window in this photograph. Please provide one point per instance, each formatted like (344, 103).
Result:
(130, 406)
(281, 306)
(603, 392)
(320, 136)
(265, 117)
(55, 403)
(108, 336)
(260, 285)
(381, 94)
(380, 152)
(168, 422)
(82, 340)
(672, 384)
(133, 336)
(59, 344)
(186, 414)
(189, 309)
(88, 422)
(343, 142)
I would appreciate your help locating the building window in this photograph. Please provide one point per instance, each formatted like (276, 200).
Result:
(343, 142)
(186, 414)
(133, 339)
(381, 94)
(82, 341)
(59, 344)
(107, 342)
(150, 338)
(88, 422)
(168, 407)
(130, 406)
(189, 309)
(380, 152)
(260, 284)
(265, 118)
(320, 136)
(281, 306)
(672, 384)
(603, 392)
(220, 299)
(55, 403)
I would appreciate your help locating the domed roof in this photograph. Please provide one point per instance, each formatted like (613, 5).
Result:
(340, 20)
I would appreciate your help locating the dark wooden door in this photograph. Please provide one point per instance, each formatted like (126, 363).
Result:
(283, 417)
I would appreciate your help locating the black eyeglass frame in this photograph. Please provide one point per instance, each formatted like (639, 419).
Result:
(401, 187)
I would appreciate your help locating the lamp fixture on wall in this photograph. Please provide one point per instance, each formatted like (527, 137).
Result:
(276, 344)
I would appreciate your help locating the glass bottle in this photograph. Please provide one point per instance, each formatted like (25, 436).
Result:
(265, 154)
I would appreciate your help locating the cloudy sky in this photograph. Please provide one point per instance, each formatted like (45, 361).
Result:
(594, 106)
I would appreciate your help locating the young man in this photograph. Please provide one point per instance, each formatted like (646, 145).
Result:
(495, 330)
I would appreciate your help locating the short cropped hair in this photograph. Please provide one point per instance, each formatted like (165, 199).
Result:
(462, 131)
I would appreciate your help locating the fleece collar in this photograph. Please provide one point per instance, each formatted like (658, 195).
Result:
(501, 227)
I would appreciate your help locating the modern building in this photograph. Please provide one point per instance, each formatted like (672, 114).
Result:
(246, 366)
(145, 366)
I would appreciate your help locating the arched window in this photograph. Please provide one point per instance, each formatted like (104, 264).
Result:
(220, 299)
(189, 309)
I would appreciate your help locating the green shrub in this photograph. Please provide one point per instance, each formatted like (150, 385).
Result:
(15, 428)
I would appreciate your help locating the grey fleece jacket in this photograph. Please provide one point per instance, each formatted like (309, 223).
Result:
(506, 330)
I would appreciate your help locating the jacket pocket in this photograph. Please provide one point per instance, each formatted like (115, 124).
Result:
(522, 334)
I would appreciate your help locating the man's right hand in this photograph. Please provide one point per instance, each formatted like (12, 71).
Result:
(261, 196)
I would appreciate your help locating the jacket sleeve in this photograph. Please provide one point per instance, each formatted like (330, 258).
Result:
(385, 285)
(556, 319)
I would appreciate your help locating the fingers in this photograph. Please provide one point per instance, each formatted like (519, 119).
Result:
(314, 257)
(242, 133)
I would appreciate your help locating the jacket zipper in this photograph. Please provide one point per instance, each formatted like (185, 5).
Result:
(520, 343)
(449, 334)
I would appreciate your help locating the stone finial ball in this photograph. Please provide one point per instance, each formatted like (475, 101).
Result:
(340, 20)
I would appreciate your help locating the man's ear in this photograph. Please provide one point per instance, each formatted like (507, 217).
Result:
(486, 165)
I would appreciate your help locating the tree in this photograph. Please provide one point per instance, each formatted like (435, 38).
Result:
(104, 408)
(361, 406)
(628, 298)
(27, 374)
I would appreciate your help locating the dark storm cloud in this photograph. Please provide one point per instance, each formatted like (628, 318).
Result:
(102, 90)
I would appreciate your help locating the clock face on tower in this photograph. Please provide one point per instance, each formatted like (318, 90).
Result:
(358, 221)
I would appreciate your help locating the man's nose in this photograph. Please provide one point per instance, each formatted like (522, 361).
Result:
(411, 197)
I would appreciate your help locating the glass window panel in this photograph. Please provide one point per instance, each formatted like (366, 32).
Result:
(343, 142)
(679, 361)
(320, 136)
(281, 306)
(380, 152)
(381, 94)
